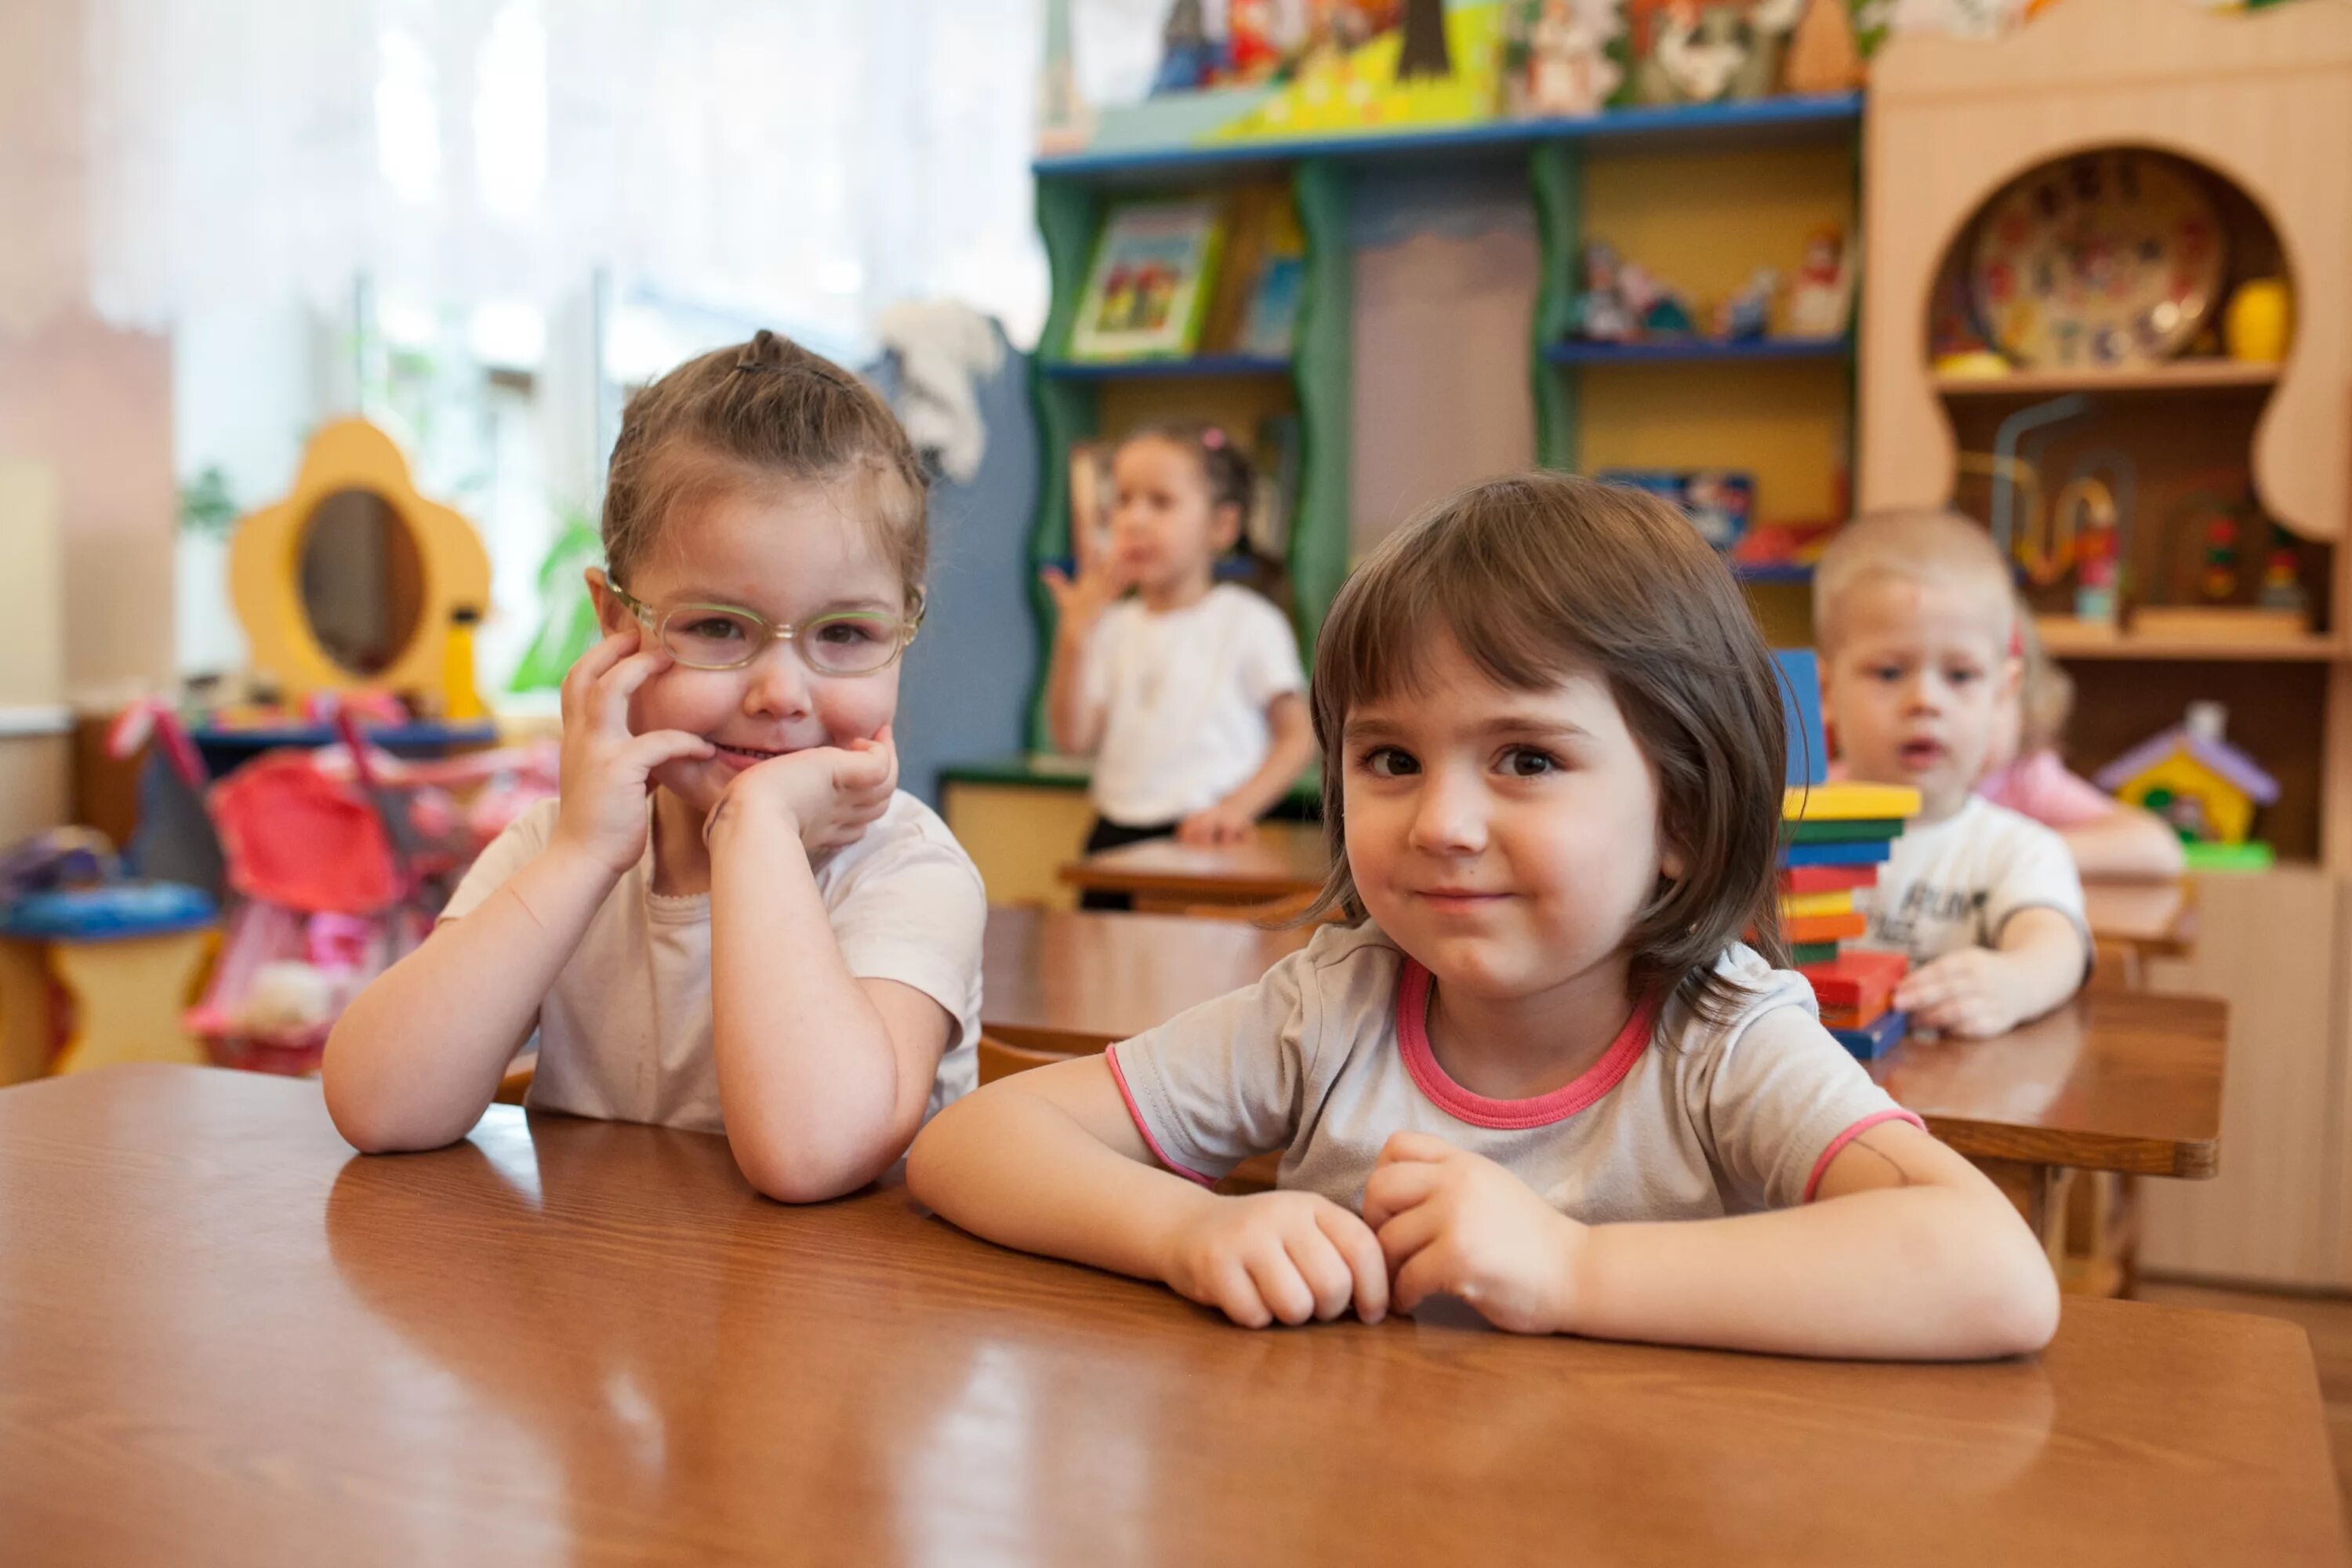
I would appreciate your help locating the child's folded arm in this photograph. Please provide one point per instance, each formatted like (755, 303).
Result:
(415, 1058)
(2125, 842)
(1908, 1252)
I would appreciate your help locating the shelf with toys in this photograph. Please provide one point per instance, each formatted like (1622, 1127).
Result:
(2000, 379)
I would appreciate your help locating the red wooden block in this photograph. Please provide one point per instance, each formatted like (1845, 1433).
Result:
(1857, 981)
(1827, 879)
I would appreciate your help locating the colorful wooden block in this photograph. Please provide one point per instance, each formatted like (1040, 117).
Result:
(1857, 978)
(1825, 928)
(1867, 852)
(1801, 708)
(1850, 802)
(1826, 878)
(1870, 1044)
(1802, 954)
(1802, 906)
(1836, 830)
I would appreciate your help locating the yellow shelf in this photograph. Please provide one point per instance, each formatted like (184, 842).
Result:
(2309, 649)
(2181, 376)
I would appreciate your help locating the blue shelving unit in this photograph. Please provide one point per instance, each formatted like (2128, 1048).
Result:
(1698, 351)
(1748, 123)
(1143, 369)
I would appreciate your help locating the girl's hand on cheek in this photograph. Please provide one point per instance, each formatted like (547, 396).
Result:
(1279, 1257)
(1452, 1223)
(828, 796)
(607, 771)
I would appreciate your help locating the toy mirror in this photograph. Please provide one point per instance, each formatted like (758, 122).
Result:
(363, 581)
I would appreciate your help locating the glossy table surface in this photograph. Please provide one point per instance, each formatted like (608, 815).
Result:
(2110, 1081)
(223, 1338)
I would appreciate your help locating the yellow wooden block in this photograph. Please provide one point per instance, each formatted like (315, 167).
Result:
(1799, 905)
(1850, 802)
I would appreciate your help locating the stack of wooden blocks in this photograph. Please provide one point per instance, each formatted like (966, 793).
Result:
(1837, 838)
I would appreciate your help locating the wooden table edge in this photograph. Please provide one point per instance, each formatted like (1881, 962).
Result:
(1208, 890)
(2191, 1158)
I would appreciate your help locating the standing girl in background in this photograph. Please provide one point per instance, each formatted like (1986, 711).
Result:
(730, 920)
(1552, 766)
(1189, 696)
(2107, 837)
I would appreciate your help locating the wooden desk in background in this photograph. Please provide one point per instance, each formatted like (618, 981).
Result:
(226, 1339)
(2119, 1082)
(1286, 861)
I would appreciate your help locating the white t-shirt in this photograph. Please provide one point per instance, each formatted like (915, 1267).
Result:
(625, 1035)
(1956, 883)
(1329, 1055)
(1183, 696)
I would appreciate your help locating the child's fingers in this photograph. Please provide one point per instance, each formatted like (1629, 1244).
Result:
(610, 703)
(1431, 1272)
(1229, 1289)
(1410, 1233)
(1325, 1274)
(1416, 1146)
(1394, 1188)
(1278, 1283)
(1360, 1250)
(591, 667)
(652, 749)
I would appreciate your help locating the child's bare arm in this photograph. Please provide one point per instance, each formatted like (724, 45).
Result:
(1291, 749)
(1908, 1253)
(1050, 1161)
(2126, 842)
(1980, 991)
(415, 1058)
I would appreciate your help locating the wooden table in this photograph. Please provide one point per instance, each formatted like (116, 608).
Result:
(1279, 861)
(226, 1339)
(1285, 860)
(1074, 981)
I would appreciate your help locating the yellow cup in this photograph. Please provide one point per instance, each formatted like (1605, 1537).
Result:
(2259, 321)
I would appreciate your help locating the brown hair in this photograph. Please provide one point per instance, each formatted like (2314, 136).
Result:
(755, 414)
(1542, 574)
(1939, 548)
(1231, 478)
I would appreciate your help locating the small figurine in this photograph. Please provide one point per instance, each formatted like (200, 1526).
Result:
(1253, 47)
(1187, 58)
(2282, 587)
(1821, 296)
(1658, 309)
(1699, 51)
(1747, 315)
(1765, 31)
(1600, 313)
(1559, 54)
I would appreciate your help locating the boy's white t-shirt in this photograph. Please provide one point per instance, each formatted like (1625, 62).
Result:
(1183, 696)
(1328, 1056)
(1954, 883)
(624, 1034)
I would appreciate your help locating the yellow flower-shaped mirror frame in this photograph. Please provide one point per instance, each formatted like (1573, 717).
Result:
(265, 569)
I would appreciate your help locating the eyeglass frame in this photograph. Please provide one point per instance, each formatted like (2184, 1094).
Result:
(657, 623)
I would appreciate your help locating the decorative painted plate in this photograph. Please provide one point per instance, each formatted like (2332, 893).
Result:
(2110, 259)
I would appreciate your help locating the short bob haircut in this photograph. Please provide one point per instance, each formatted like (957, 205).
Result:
(1540, 575)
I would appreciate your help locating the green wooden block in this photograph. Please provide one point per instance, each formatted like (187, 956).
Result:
(1814, 951)
(1883, 831)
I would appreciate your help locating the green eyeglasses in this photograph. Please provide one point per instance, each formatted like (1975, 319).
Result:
(720, 636)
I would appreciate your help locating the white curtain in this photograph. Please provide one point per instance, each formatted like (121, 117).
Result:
(814, 158)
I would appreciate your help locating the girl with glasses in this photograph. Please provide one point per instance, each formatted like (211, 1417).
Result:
(730, 920)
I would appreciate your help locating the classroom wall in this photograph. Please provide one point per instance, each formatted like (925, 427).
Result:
(1447, 267)
(965, 691)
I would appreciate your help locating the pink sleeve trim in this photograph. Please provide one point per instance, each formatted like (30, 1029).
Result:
(1846, 1137)
(1136, 1116)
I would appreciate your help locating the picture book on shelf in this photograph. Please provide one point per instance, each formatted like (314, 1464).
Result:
(1149, 289)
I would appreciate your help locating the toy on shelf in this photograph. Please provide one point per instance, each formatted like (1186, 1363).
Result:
(1696, 53)
(1658, 307)
(1747, 316)
(2259, 321)
(2194, 779)
(1822, 55)
(1556, 58)
(2110, 258)
(1188, 60)
(353, 580)
(1718, 501)
(2283, 588)
(1599, 313)
(2211, 590)
(1821, 296)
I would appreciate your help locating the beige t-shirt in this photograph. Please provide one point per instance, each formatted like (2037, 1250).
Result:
(1328, 1056)
(1957, 883)
(625, 1035)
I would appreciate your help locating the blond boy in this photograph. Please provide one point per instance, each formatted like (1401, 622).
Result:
(1916, 618)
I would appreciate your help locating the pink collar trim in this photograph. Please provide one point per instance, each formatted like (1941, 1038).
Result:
(1478, 1110)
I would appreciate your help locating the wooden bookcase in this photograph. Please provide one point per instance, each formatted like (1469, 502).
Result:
(2250, 101)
